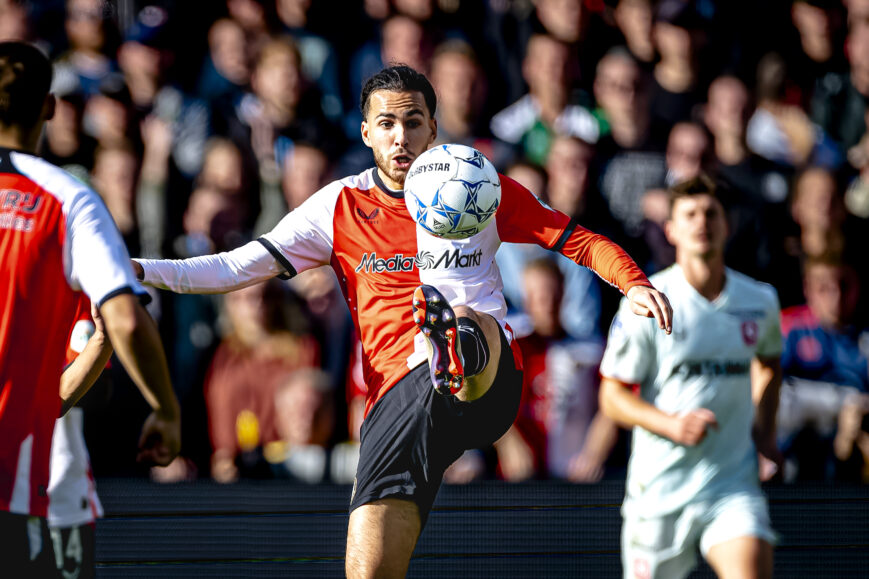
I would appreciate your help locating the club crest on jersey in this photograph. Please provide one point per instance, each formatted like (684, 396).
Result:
(749, 332)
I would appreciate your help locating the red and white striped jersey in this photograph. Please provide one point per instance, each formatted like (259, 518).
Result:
(365, 232)
(56, 239)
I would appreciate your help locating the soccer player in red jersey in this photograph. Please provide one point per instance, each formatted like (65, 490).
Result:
(412, 296)
(57, 239)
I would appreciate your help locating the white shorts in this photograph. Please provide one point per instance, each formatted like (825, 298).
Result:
(666, 547)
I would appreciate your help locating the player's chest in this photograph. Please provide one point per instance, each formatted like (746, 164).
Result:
(715, 333)
(384, 244)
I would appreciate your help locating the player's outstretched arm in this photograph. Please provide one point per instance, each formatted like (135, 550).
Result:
(619, 403)
(134, 337)
(207, 274)
(649, 302)
(79, 376)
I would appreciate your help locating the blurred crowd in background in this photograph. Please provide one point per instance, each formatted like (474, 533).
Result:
(202, 123)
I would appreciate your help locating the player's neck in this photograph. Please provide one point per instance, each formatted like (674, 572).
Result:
(705, 274)
(13, 137)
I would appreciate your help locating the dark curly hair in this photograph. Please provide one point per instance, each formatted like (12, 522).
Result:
(398, 78)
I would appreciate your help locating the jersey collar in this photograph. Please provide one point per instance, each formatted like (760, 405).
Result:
(391, 192)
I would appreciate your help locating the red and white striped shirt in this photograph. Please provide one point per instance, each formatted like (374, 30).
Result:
(56, 239)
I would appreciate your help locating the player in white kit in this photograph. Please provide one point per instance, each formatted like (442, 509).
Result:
(707, 400)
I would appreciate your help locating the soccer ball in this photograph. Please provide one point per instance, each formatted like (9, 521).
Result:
(452, 191)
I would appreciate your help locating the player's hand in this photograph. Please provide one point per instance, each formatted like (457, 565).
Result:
(99, 325)
(160, 441)
(650, 303)
(690, 428)
(138, 269)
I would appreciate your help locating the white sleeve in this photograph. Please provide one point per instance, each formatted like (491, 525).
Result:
(98, 260)
(304, 238)
(630, 351)
(245, 266)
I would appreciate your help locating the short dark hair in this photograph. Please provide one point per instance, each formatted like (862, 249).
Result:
(398, 78)
(25, 79)
(700, 185)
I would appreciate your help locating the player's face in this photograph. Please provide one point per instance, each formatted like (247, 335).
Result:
(398, 129)
(697, 226)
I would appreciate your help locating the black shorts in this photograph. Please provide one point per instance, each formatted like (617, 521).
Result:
(25, 550)
(413, 434)
(74, 549)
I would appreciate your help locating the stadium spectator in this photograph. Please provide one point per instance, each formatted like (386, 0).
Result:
(55, 221)
(305, 419)
(462, 89)
(839, 102)
(570, 179)
(549, 107)
(634, 19)
(266, 339)
(225, 71)
(93, 41)
(753, 190)
(306, 169)
(631, 163)
(559, 385)
(343, 225)
(256, 17)
(826, 374)
(693, 473)
(779, 130)
(816, 49)
(822, 227)
(144, 58)
(676, 87)
(109, 116)
(65, 143)
(281, 108)
(115, 175)
(319, 58)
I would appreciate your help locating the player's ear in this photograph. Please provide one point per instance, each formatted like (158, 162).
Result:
(48, 107)
(364, 130)
(668, 231)
(434, 130)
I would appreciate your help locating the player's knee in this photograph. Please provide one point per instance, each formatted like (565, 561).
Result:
(474, 345)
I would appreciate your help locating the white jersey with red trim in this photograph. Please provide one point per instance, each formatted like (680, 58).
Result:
(704, 363)
(380, 255)
(56, 238)
(72, 493)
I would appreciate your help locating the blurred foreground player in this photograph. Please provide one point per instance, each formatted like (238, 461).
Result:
(414, 426)
(73, 504)
(56, 239)
(704, 392)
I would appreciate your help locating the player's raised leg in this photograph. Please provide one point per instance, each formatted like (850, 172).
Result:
(381, 539)
(741, 558)
(464, 345)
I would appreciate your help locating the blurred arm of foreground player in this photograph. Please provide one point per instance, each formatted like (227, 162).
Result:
(81, 374)
(766, 378)
(134, 337)
(618, 402)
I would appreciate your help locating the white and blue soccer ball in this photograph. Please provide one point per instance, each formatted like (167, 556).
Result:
(452, 191)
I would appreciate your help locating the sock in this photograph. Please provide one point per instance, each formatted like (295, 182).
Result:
(475, 350)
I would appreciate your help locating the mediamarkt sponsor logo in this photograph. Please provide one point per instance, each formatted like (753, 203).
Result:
(422, 260)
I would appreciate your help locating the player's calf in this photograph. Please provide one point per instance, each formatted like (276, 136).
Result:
(457, 346)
